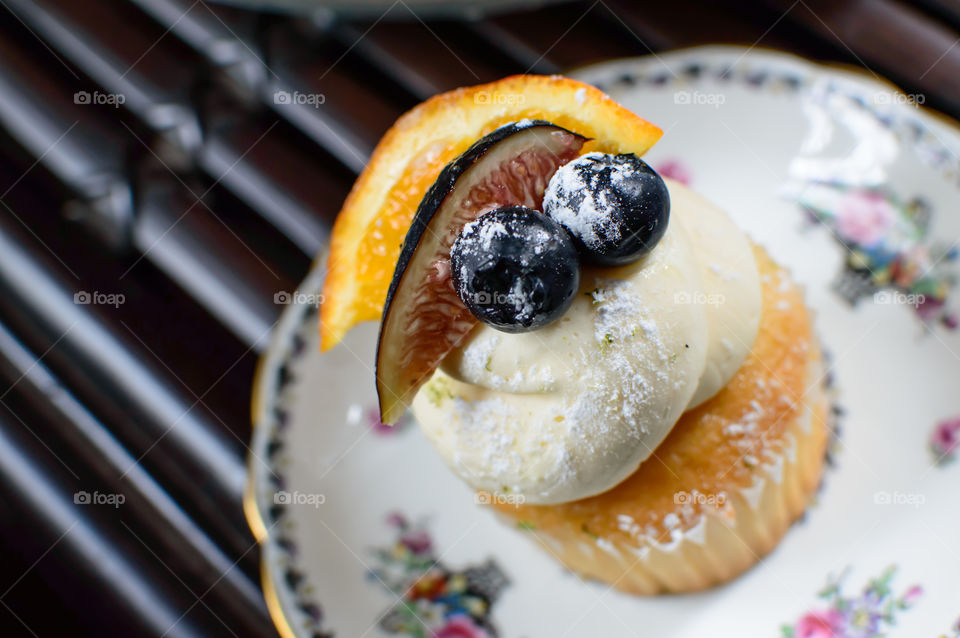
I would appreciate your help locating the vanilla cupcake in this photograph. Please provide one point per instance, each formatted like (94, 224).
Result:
(664, 434)
(726, 483)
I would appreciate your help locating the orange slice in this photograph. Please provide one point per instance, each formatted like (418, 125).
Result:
(374, 220)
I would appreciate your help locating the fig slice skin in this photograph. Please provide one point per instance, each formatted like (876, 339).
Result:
(424, 318)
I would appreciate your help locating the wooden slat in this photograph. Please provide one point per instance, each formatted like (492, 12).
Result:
(889, 38)
(425, 59)
(575, 34)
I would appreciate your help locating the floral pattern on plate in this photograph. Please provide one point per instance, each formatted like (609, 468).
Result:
(675, 169)
(890, 255)
(945, 441)
(434, 601)
(867, 615)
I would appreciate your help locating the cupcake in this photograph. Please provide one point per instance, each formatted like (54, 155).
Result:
(723, 487)
(599, 351)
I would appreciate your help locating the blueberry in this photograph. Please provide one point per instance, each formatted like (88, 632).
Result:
(515, 269)
(615, 206)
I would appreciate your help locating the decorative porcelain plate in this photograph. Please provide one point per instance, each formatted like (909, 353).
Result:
(848, 183)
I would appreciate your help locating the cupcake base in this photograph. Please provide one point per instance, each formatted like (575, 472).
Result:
(723, 488)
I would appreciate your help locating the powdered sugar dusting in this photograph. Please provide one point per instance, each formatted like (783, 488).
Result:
(486, 231)
(497, 441)
(575, 200)
(617, 312)
(478, 354)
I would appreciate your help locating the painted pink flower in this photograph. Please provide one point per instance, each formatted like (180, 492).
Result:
(946, 437)
(417, 541)
(929, 308)
(675, 169)
(912, 596)
(820, 624)
(461, 626)
(864, 217)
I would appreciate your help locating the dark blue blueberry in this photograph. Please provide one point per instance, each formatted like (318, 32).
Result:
(515, 269)
(615, 206)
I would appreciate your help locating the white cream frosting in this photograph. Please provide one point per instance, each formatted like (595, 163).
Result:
(570, 410)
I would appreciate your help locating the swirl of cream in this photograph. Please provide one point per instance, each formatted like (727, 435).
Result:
(570, 410)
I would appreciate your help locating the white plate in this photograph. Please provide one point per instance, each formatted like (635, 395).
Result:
(760, 133)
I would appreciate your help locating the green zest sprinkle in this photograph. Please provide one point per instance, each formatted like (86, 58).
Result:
(437, 391)
(596, 295)
(607, 340)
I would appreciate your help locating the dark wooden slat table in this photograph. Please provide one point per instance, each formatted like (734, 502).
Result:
(205, 194)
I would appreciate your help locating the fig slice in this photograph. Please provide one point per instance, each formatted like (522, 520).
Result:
(424, 318)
